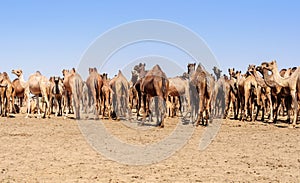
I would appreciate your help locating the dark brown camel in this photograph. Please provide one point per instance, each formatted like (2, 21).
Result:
(155, 84)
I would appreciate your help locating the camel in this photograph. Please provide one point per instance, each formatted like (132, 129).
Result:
(157, 106)
(133, 93)
(106, 96)
(56, 94)
(178, 88)
(278, 93)
(120, 87)
(38, 85)
(73, 85)
(139, 71)
(154, 84)
(19, 87)
(217, 72)
(6, 90)
(292, 82)
(263, 91)
(201, 87)
(231, 94)
(222, 98)
(94, 84)
(247, 88)
(191, 68)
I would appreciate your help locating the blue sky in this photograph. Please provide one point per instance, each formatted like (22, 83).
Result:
(52, 35)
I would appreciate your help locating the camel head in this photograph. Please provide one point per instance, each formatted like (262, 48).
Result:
(217, 72)
(139, 68)
(251, 68)
(17, 72)
(65, 72)
(237, 74)
(3, 76)
(271, 65)
(231, 72)
(191, 67)
(73, 71)
(282, 72)
(91, 70)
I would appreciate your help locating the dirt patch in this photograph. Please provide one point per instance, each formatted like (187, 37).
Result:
(53, 150)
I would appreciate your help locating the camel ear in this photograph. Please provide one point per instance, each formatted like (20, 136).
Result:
(73, 69)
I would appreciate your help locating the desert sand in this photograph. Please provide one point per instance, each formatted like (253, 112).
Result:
(54, 150)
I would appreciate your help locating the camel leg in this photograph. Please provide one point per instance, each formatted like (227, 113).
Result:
(271, 119)
(295, 103)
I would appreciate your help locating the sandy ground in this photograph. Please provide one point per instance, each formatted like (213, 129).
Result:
(54, 150)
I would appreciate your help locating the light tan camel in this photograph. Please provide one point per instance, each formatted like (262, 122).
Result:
(73, 85)
(292, 82)
(106, 96)
(38, 85)
(6, 90)
(94, 84)
(120, 87)
(278, 93)
(178, 88)
(19, 85)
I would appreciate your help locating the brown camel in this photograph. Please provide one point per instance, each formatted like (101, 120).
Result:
(133, 93)
(38, 85)
(106, 96)
(264, 92)
(201, 87)
(6, 90)
(155, 84)
(247, 89)
(140, 71)
(231, 95)
(94, 84)
(120, 87)
(19, 87)
(292, 82)
(73, 85)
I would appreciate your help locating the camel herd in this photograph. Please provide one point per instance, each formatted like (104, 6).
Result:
(262, 92)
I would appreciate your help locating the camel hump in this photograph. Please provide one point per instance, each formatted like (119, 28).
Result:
(156, 71)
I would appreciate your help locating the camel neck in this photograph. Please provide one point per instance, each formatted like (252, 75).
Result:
(259, 79)
(278, 79)
(269, 79)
